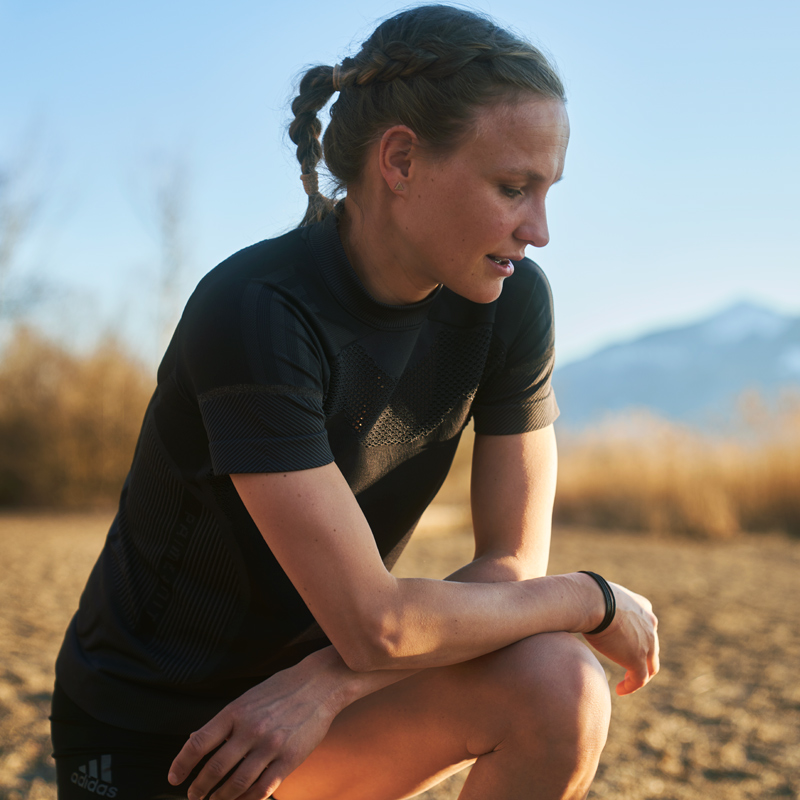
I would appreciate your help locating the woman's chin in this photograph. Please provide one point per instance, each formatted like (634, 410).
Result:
(485, 293)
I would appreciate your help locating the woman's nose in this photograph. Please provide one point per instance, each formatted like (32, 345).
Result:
(533, 229)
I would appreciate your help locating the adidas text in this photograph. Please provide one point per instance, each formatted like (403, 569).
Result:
(90, 781)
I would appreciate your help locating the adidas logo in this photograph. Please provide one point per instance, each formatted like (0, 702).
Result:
(87, 778)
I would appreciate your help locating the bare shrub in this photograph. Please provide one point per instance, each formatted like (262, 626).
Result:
(68, 422)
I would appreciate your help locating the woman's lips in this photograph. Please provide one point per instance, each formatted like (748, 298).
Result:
(502, 264)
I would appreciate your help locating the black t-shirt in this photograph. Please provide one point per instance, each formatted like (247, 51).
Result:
(282, 361)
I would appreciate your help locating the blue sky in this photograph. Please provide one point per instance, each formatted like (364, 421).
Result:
(681, 191)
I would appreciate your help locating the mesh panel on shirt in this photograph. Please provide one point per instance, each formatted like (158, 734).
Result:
(359, 388)
(384, 411)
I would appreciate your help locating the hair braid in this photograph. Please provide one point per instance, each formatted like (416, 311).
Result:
(429, 68)
(433, 59)
(316, 89)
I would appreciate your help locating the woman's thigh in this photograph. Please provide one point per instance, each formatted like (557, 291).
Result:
(513, 704)
(403, 739)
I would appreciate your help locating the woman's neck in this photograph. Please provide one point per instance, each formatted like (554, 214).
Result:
(377, 253)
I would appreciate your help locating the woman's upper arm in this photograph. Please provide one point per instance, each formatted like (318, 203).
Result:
(316, 530)
(514, 473)
(253, 359)
(513, 488)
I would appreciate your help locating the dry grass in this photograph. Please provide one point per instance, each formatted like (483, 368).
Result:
(68, 423)
(68, 426)
(641, 473)
(720, 722)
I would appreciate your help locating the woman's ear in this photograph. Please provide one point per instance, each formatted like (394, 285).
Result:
(396, 155)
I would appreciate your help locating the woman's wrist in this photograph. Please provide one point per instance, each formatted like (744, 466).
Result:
(593, 603)
(340, 685)
(334, 678)
(609, 599)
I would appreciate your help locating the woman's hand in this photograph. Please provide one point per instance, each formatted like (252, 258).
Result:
(271, 730)
(631, 640)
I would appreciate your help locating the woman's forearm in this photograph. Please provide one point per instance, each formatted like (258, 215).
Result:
(319, 535)
(435, 623)
(345, 685)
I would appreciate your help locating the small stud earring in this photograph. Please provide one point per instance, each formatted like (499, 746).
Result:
(399, 187)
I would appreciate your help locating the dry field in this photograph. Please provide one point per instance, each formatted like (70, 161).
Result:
(69, 423)
(722, 720)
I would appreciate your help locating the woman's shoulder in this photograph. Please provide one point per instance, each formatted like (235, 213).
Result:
(526, 297)
(265, 260)
(250, 292)
(529, 280)
(248, 318)
(279, 266)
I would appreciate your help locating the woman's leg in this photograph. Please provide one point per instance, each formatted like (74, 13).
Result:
(533, 718)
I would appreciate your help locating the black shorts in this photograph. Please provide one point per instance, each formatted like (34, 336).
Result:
(94, 759)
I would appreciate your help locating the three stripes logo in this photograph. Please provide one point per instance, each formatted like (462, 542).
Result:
(86, 777)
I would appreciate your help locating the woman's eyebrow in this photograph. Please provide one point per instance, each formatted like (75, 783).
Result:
(532, 175)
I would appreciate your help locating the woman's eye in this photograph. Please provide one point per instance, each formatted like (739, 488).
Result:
(512, 191)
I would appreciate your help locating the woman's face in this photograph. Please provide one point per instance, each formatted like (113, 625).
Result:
(468, 215)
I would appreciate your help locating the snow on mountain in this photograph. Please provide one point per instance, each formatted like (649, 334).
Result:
(693, 373)
(742, 321)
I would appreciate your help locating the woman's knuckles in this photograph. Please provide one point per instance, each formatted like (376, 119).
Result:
(269, 741)
(199, 742)
(216, 768)
(241, 781)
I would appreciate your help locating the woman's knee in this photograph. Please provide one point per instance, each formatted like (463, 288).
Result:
(551, 689)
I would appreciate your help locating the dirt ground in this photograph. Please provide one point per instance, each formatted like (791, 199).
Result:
(722, 720)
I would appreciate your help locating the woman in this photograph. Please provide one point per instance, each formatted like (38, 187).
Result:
(307, 411)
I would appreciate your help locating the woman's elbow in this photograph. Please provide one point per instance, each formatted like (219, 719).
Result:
(372, 644)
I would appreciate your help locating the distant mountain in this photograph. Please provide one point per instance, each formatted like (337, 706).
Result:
(693, 374)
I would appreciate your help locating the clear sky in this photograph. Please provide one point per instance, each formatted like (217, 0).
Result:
(681, 192)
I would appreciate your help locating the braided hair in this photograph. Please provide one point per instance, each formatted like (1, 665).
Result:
(429, 68)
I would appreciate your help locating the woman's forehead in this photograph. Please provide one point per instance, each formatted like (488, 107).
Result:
(528, 137)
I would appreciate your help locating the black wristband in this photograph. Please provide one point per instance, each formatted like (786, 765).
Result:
(611, 603)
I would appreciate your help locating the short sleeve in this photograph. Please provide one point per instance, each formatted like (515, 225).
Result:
(264, 429)
(516, 395)
(256, 367)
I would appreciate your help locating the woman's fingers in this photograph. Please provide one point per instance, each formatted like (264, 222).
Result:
(271, 778)
(637, 676)
(633, 680)
(252, 745)
(218, 766)
(241, 783)
(654, 659)
(261, 736)
(197, 746)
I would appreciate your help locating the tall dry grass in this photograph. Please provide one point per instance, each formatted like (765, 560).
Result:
(642, 473)
(68, 422)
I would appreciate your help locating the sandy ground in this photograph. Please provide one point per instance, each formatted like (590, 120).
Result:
(722, 720)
